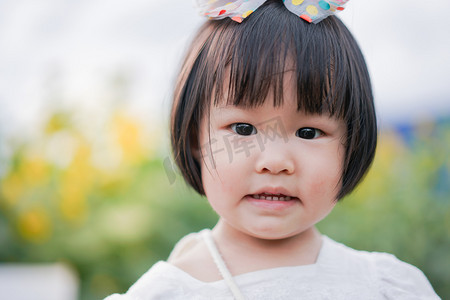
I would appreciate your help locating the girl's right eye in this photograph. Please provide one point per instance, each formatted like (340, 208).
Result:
(243, 128)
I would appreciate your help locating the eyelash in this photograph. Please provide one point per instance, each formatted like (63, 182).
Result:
(235, 127)
(317, 132)
(304, 132)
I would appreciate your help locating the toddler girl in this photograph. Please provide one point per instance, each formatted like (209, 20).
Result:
(273, 121)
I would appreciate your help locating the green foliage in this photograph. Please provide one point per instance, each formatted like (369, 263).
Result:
(109, 212)
(403, 206)
(110, 206)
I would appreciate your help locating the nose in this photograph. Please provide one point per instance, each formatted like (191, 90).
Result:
(275, 159)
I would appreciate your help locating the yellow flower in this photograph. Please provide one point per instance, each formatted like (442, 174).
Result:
(12, 188)
(31, 172)
(73, 204)
(389, 150)
(34, 171)
(75, 183)
(34, 225)
(80, 173)
(57, 122)
(129, 138)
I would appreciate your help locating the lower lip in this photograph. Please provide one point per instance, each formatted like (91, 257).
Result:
(271, 204)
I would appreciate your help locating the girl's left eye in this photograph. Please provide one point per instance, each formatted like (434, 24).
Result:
(309, 133)
(243, 128)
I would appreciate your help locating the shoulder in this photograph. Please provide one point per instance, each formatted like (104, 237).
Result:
(190, 253)
(186, 245)
(398, 279)
(171, 279)
(393, 278)
(161, 281)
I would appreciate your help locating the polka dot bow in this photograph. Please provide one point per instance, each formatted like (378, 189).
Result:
(312, 11)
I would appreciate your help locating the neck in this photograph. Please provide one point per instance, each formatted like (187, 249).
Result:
(245, 253)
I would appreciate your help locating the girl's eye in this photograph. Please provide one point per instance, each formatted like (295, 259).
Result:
(243, 128)
(308, 133)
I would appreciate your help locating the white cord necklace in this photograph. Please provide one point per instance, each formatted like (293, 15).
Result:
(207, 237)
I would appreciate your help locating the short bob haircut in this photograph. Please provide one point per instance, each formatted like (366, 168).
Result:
(331, 78)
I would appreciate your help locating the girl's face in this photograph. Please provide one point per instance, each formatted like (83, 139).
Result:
(271, 172)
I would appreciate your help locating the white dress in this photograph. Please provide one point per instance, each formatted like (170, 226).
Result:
(340, 272)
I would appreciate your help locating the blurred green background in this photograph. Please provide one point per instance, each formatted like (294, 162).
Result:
(86, 177)
(106, 200)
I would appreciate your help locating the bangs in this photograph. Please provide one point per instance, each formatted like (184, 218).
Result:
(241, 64)
(255, 58)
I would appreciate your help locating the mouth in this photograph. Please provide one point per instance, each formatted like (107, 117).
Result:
(274, 202)
(273, 197)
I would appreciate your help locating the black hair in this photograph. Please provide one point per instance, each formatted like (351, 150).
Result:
(251, 59)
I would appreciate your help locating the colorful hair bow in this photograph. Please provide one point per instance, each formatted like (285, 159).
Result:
(310, 10)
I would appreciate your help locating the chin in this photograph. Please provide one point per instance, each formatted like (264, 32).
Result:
(272, 233)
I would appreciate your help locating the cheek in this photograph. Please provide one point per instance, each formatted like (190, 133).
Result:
(325, 173)
(228, 161)
(229, 175)
(222, 172)
(222, 185)
(326, 187)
